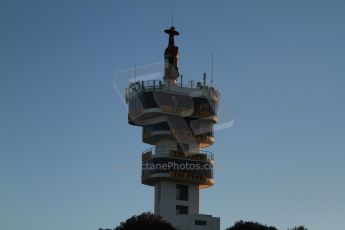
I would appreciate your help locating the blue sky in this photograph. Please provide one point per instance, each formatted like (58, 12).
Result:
(69, 160)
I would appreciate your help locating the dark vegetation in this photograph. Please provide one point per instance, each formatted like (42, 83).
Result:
(145, 221)
(149, 221)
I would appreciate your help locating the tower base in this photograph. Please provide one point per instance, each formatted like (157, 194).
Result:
(196, 222)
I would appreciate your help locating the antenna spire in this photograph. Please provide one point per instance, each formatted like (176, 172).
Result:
(135, 71)
(211, 69)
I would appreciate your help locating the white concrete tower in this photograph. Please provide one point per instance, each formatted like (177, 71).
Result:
(178, 121)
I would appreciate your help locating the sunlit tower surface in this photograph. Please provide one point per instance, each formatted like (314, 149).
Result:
(178, 120)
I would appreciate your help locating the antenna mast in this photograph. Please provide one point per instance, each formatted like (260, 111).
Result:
(212, 69)
(135, 71)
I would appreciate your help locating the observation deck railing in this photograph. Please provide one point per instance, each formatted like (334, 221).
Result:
(139, 86)
(167, 150)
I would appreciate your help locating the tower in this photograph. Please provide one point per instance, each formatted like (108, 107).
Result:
(178, 120)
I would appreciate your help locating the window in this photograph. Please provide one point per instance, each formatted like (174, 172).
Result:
(180, 209)
(181, 192)
(200, 222)
(149, 100)
(158, 191)
(183, 147)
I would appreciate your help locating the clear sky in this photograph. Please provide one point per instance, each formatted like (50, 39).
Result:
(69, 160)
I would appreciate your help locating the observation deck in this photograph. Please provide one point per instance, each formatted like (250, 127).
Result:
(150, 100)
(202, 135)
(166, 163)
